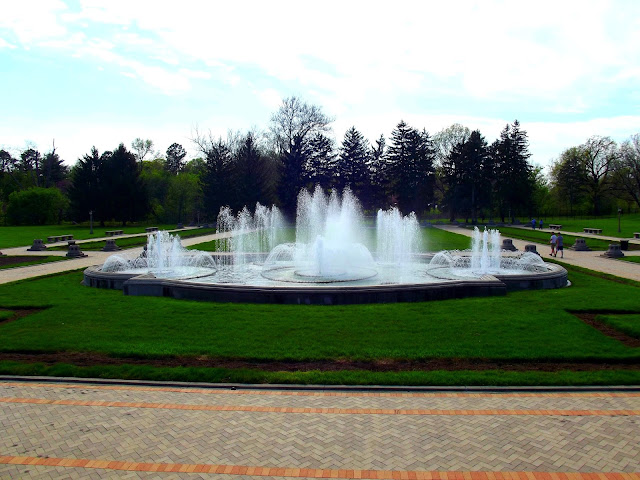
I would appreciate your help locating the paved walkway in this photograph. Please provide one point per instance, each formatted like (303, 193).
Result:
(115, 431)
(592, 260)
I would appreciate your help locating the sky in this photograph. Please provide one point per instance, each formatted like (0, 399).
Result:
(101, 73)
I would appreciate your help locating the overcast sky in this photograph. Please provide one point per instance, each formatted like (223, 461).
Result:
(104, 72)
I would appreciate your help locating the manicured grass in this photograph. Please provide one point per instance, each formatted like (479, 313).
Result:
(4, 314)
(130, 242)
(633, 259)
(24, 235)
(629, 324)
(522, 326)
(629, 223)
(351, 377)
(543, 237)
(34, 261)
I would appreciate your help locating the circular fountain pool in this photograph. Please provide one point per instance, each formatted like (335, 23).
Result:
(330, 261)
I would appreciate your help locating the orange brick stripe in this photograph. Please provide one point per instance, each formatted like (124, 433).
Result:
(310, 472)
(337, 411)
(209, 391)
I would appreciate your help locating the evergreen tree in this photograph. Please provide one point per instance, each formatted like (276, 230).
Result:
(87, 191)
(175, 158)
(320, 166)
(410, 165)
(514, 180)
(218, 176)
(255, 174)
(353, 166)
(466, 173)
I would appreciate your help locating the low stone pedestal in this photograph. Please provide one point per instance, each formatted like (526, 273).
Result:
(531, 248)
(507, 244)
(110, 246)
(580, 245)
(180, 225)
(74, 251)
(613, 252)
(37, 246)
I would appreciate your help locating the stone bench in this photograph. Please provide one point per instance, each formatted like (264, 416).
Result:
(59, 238)
(151, 229)
(592, 230)
(555, 226)
(636, 234)
(111, 233)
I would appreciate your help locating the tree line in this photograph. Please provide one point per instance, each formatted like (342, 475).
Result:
(454, 173)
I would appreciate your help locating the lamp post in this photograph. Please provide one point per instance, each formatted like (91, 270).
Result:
(91, 222)
(619, 214)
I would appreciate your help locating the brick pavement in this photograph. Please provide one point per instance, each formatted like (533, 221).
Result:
(98, 431)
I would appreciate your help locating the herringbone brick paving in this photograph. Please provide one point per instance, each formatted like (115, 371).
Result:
(290, 441)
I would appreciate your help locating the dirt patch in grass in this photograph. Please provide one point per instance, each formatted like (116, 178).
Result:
(390, 365)
(12, 260)
(19, 313)
(590, 319)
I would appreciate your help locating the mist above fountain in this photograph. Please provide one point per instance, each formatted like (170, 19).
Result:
(330, 242)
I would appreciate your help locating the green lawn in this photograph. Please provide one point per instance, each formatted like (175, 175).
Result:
(629, 223)
(130, 242)
(520, 327)
(24, 235)
(633, 259)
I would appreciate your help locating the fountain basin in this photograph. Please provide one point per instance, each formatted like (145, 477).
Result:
(424, 284)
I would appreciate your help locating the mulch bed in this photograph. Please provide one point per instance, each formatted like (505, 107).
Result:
(12, 260)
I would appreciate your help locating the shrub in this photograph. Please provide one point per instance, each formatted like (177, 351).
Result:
(36, 206)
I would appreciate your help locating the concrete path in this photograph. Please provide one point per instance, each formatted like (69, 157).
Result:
(591, 260)
(65, 431)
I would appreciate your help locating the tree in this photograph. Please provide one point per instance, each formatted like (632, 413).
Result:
(467, 171)
(599, 155)
(141, 148)
(627, 171)
(353, 166)
(183, 197)
(218, 175)
(87, 191)
(319, 168)
(175, 158)
(509, 156)
(36, 206)
(54, 171)
(292, 128)
(569, 178)
(445, 140)
(376, 167)
(30, 164)
(410, 167)
(255, 174)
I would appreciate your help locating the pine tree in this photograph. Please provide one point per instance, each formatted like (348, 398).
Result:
(352, 168)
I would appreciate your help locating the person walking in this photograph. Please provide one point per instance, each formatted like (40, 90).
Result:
(540, 224)
(533, 223)
(553, 241)
(559, 245)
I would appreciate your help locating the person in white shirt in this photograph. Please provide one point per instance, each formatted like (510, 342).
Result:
(554, 239)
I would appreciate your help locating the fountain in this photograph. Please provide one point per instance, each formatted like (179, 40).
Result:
(337, 257)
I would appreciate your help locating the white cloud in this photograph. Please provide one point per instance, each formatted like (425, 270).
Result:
(5, 44)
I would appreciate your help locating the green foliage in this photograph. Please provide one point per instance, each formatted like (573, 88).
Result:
(36, 206)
